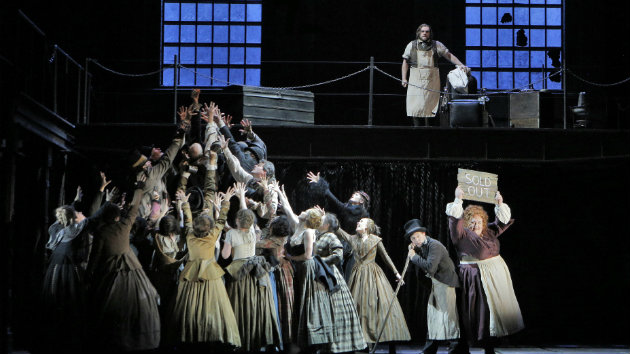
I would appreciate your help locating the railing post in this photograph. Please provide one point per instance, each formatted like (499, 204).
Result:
(175, 76)
(371, 95)
(55, 80)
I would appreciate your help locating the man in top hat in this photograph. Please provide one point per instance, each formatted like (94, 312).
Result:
(430, 256)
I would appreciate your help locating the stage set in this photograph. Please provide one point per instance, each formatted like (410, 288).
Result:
(545, 114)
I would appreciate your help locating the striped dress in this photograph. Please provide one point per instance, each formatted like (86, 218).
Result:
(347, 332)
(372, 292)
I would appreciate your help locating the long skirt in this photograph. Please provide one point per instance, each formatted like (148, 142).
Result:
(312, 317)
(488, 306)
(284, 287)
(372, 295)
(125, 306)
(347, 332)
(202, 311)
(254, 308)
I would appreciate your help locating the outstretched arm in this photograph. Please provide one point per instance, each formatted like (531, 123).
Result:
(282, 197)
(383, 253)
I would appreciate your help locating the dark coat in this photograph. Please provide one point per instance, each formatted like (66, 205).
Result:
(433, 259)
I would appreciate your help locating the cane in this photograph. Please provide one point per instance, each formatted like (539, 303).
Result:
(389, 309)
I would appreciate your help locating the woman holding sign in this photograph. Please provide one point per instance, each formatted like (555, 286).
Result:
(489, 308)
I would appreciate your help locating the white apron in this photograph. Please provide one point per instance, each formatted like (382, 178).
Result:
(420, 102)
(505, 314)
(442, 320)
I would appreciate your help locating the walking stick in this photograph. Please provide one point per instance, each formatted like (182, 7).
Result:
(389, 309)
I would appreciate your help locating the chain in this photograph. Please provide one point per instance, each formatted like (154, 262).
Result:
(123, 74)
(281, 88)
(595, 83)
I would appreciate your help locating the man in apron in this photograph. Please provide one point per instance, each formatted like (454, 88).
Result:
(423, 87)
(433, 260)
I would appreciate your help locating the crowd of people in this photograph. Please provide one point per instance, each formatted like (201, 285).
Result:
(293, 281)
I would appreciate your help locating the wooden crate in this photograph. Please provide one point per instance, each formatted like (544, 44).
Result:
(274, 107)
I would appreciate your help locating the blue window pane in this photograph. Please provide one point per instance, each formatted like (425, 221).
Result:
(204, 12)
(489, 1)
(237, 76)
(171, 33)
(473, 1)
(554, 38)
(505, 38)
(489, 15)
(237, 55)
(506, 16)
(254, 12)
(473, 37)
(537, 2)
(473, 58)
(221, 12)
(505, 1)
(171, 13)
(167, 77)
(237, 34)
(554, 85)
(188, 34)
(538, 16)
(169, 52)
(505, 81)
(473, 15)
(220, 55)
(521, 16)
(489, 59)
(521, 80)
(204, 55)
(252, 56)
(477, 76)
(537, 38)
(489, 37)
(220, 34)
(554, 16)
(521, 1)
(189, 12)
(537, 59)
(505, 59)
(187, 55)
(252, 77)
(220, 77)
(253, 34)
(489, 79)
(186, 77)
(521, 59)
(554, 2)
(237, 12)
(204, 34)
(537, 80)
(203, 77)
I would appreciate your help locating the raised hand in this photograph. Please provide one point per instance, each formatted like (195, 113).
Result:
(459, 192)
(264, 182)
(228, 120)
(312, 178)
(104, 181)
(247, 126)
(79, 195)
(321, 210)
(229, 193)
(223, 141)
(111, 194)
(239, 189)
(204, 114)
(498, 198)
(182, 196)
(194, 94)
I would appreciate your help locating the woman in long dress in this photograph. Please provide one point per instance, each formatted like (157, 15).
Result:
(370, 288)
(312, 314)
(124, 302)
(489, 308)
(249, 286)
(347, 332)
(202, 311)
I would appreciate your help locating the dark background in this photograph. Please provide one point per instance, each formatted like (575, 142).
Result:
(567, 251)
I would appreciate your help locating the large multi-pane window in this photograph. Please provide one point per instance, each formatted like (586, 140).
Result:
(512, 43)
(218, 39)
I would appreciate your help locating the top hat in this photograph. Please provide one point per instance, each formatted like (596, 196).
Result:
(413, 226)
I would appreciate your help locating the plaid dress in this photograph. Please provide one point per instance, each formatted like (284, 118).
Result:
(347, 332)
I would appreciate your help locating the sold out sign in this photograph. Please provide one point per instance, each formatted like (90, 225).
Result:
(477, 185)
